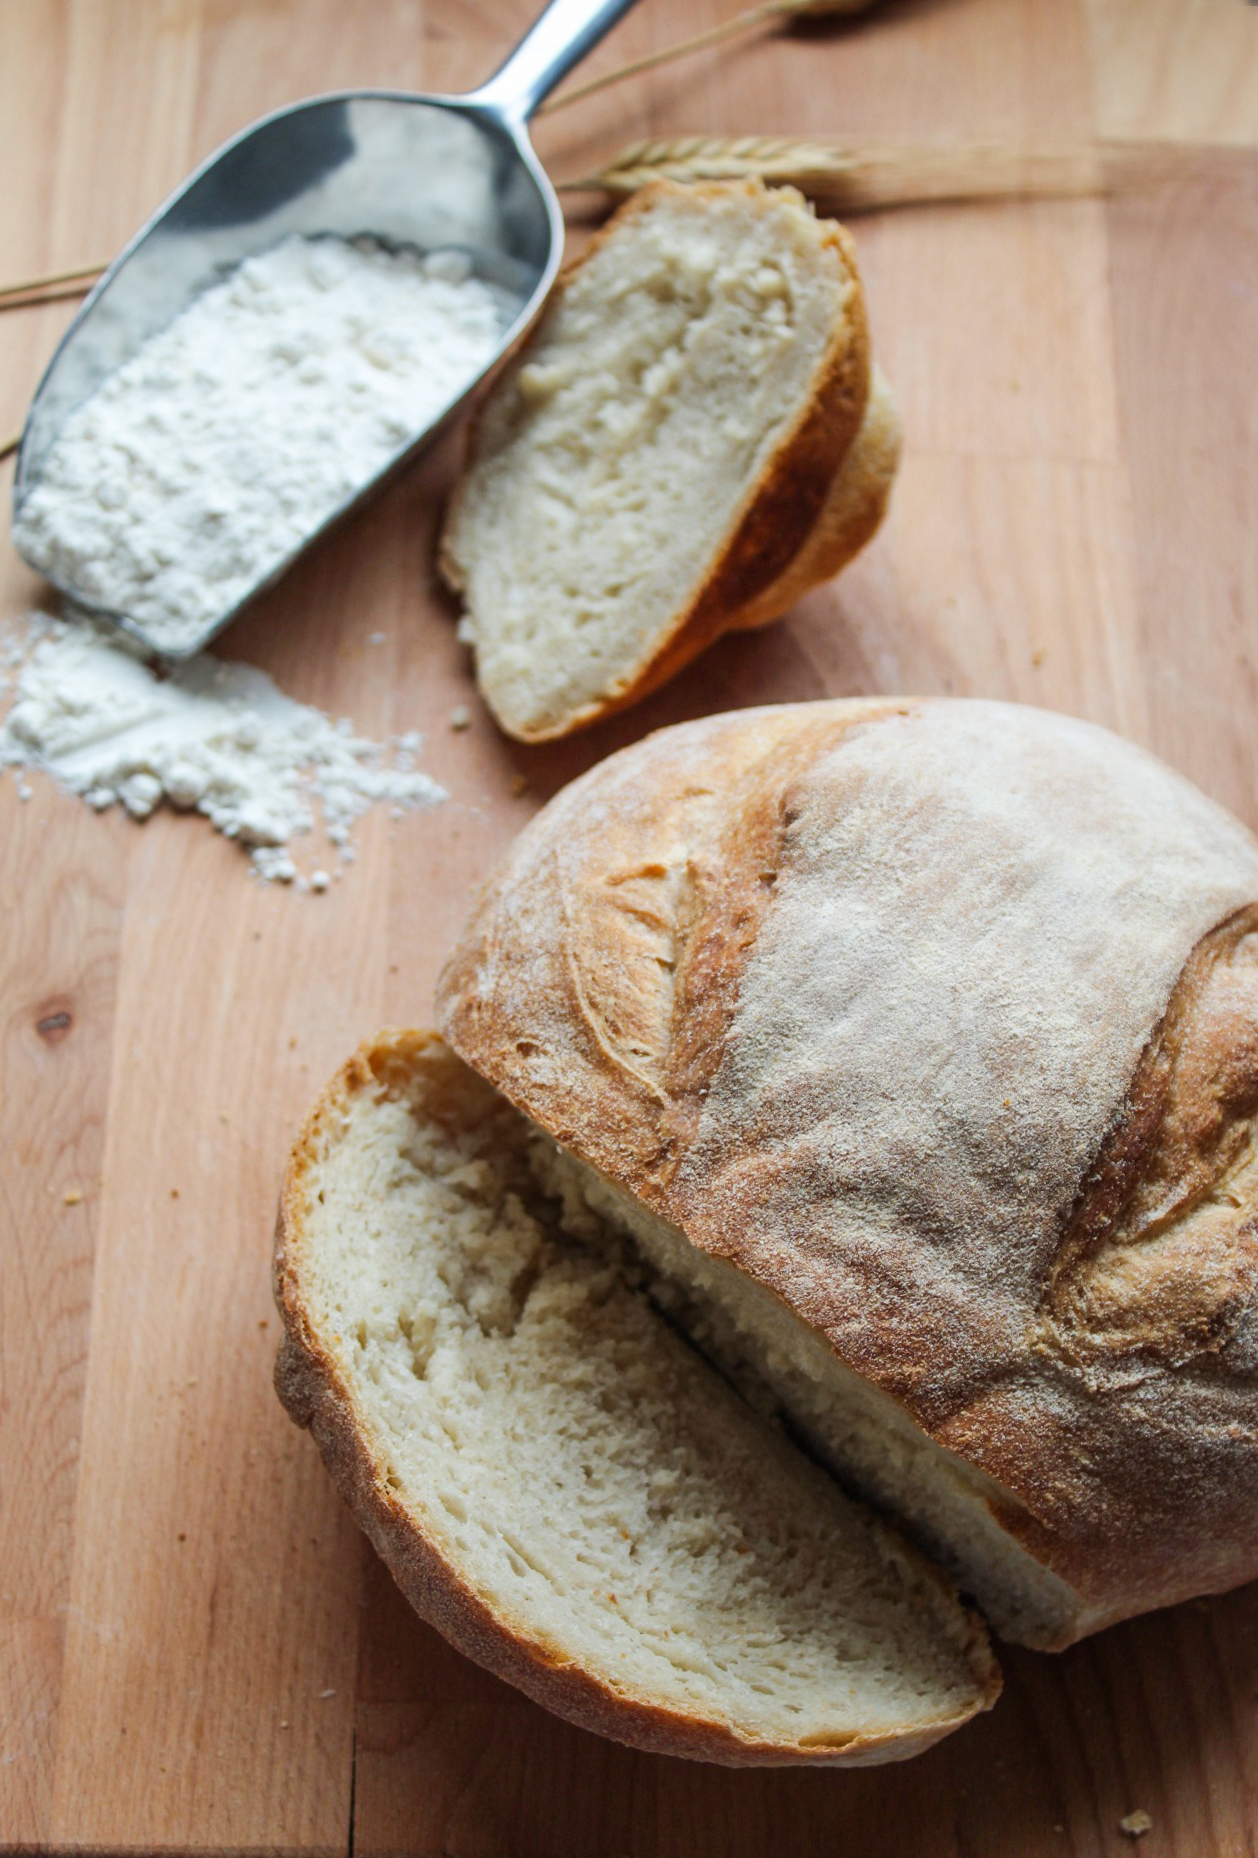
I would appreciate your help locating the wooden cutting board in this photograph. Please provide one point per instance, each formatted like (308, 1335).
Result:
(197, 1649)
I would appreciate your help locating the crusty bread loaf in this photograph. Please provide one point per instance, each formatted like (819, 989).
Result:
(917, 1045)
(560, 1482)
(683, 447)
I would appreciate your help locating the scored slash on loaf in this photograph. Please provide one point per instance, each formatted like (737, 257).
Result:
(693, 437)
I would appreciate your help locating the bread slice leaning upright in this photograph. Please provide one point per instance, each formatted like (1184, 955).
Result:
(559, 1481)
(687, 443)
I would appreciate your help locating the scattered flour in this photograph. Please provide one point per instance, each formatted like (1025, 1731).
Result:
(199, 466)
(216, 737)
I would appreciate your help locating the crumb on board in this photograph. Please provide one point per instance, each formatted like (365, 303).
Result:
(460, 717)
(72, 1196)
(519, 782)
(1136, 1824)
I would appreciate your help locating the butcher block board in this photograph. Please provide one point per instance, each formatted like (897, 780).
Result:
(198, 1651)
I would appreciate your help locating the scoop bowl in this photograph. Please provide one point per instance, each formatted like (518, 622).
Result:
(419, 172)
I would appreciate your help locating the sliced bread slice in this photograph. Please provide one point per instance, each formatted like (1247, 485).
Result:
(647, 472)
(556, 1478)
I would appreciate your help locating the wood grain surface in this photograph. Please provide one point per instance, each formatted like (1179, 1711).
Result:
(197, 1649)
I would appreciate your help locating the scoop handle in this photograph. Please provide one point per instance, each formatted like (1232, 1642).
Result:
(566, 31)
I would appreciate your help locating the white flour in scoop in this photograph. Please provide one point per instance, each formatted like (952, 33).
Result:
(216, 737)
(203, 462)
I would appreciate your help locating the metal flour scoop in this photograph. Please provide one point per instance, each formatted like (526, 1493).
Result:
(418, 171)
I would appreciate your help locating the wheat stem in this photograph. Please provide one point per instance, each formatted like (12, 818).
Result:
(54, 277)
(699, 41)
(27, 296)
(702, 41)
(44, 289)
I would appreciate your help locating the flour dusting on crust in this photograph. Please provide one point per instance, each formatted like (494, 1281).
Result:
(939, 1021)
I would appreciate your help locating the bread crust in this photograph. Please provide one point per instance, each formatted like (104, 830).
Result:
(775, 547)
(316, 1395)
(1099, 1367)
(850, 516)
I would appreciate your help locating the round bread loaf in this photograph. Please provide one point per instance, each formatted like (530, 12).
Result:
(916, 1043)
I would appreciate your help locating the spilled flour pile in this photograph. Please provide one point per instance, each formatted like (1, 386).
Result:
(217, 738)
(200, 465)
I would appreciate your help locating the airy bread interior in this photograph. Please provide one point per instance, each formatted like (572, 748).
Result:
(612, 468)
(852, 1426)
(577, 1466)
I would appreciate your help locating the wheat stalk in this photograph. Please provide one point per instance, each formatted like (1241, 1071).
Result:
(54, 277)
(845, 178)
(47, 289)
(777, 10)
(28, 297)
(838, 177)
(58, 284)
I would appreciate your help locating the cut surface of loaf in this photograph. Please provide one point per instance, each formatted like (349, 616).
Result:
(648, 472)
(556, 1478)
(917, 1042)
(786, 1370)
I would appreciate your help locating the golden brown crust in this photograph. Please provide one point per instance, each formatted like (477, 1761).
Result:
(793, 528)
(316, 1396)
(850, 516)
(1087, 1336)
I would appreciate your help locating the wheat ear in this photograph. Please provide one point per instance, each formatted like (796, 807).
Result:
(849, 179)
